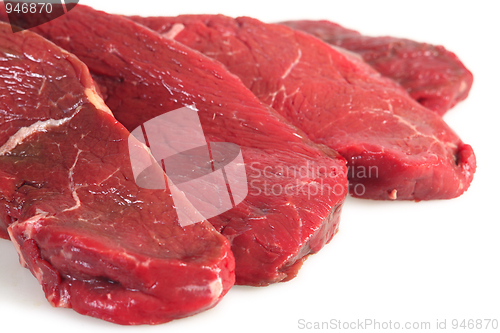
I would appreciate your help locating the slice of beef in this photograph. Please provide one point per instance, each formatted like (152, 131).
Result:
(95, 241)
(395, 148)
(432, 75)
(296, 188)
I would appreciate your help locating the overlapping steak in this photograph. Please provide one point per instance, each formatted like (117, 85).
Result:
(95, 241)
(432, 75)
(296, 188)
(395, 148)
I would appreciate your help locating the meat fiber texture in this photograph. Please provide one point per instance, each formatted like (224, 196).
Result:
(395, 148)
(95, 241)
(432, 75)
(296, 187)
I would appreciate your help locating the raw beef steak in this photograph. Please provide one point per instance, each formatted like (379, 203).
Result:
(395, 148)
(432, 75)
(95, 241)
(296, 188)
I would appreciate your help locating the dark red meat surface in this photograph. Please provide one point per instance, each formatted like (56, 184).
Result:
(296, 188)
(395, 148)
(95, 241)
(432, 75)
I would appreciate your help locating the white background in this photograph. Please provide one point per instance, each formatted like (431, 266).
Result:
(391, 261)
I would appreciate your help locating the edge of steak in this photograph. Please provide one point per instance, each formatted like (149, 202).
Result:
(95, 241)
(395, 148)
(432, 75)
(296, 187)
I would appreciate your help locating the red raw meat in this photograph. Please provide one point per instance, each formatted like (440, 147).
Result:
(296, 188)
(95, 241)
(432, 75)
(395, 148)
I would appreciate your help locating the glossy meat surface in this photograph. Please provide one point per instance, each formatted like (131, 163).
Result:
(95, 241)
(296, 188)
(395, 148)
(432, 75)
